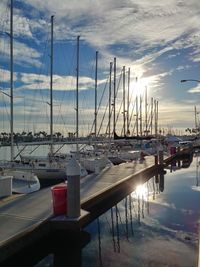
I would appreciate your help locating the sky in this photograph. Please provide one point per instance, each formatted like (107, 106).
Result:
(158, 40)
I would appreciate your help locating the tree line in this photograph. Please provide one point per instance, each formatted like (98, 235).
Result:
(29, 137)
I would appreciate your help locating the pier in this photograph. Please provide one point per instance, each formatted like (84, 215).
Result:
(24, 219)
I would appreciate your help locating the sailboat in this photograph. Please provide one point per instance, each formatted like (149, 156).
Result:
(93, 161)
(22, 181)
(49, 167)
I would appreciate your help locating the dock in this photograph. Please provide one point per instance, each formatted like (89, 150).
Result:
(26, 218)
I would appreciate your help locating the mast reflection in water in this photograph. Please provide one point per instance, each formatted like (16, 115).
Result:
(154, 226)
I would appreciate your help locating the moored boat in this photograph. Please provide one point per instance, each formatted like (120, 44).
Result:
(23, 182)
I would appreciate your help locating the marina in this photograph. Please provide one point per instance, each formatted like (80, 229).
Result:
(99, 147)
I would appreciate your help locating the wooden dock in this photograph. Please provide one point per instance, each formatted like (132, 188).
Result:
(26, 218)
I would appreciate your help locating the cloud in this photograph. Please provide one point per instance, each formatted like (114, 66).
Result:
(22, 53)
(140, 25)
(196, 89)
(183, 67)
(196, 188)
(35, 81)
(125, 22)
(5, 76)
(169, 107)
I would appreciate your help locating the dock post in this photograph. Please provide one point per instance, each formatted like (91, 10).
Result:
(161, 157)
(156, 159)
(179, 163)
(156, 164)
(73, 188)
(96, 166)
(161, 182)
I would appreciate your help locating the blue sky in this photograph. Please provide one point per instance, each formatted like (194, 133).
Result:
(159, 40)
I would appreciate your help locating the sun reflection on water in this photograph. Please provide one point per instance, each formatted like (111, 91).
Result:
(140, 192)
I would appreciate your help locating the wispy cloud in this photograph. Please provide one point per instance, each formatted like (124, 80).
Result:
(170, 107)
(22, 53)
(140, 24)
(196, 89)
(35, 81)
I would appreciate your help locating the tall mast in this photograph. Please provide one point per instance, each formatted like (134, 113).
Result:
(114, 92)
(51, 88)
(155, 117)
(109, 100)
(77, 85)
(140, 115)
(137, 115)
(95, 109)
(146, 133)
(151, 123)
(195, 117)
(11, 81)
(128, 101)
(124, 109)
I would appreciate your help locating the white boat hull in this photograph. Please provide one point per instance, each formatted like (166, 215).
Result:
(5, 186)
(23, 182)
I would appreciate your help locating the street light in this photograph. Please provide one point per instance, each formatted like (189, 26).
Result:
(190, 80)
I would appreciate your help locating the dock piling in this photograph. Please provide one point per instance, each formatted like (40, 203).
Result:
(156, 159)
(160, 155)
(73, 184)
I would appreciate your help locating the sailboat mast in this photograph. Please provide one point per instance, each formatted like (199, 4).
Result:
(95, 111)
(146, 104)
(77, 85)
(151, 123)
(195, 117)
(137, 126)
(109, 101)
(114, 92)
(155, 117)
(11, 81)
(141, 130)
(128, 100)
(51, 87)
(124, 108)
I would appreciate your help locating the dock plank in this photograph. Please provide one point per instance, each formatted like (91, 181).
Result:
(93, 184)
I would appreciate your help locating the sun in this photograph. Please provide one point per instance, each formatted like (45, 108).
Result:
(139, 86)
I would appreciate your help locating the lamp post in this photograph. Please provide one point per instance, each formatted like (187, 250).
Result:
(190, 80)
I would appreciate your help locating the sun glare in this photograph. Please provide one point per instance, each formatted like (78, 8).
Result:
(139, 86)
(141, 192)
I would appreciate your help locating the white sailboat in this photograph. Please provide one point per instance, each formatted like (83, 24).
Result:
(50, 167)
(22, 181)
(93, 161)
